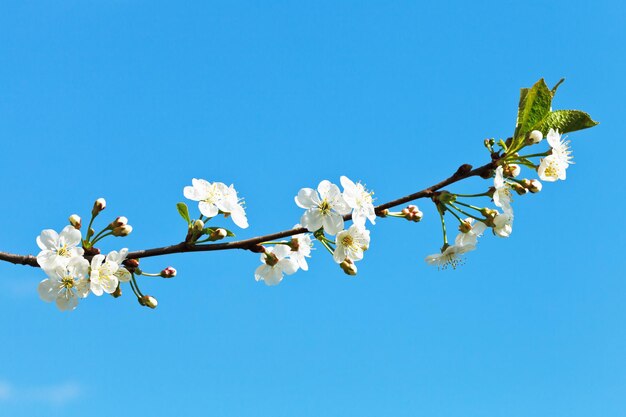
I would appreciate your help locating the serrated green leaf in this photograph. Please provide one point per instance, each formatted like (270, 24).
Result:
(565, 121)
(534, 105)
(183, 211)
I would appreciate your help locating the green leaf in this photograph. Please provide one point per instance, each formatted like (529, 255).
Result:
(565, 121)
(534, 105)
(183, 211)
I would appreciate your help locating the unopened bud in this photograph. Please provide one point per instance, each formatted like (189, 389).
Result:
(198, 226)
(168, 272)
(519, 189)
(122, 230)
(511, 170)
(535, 137)
(535, 186)
(412, 213)
(218, 234)
(348, 267)
(118, 222)
(148, 301)
(118, 292)
(465, 226)
(131, 263)
(75, 221)
(98, 206)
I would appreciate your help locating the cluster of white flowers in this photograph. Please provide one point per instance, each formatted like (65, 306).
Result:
(217, 197)
(70, 275)
(325, 209)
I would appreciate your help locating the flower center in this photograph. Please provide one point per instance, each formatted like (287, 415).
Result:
(324, 207)
(347, 241)
(552, 170)
(63, 251)
(213, 195)
(67, 282)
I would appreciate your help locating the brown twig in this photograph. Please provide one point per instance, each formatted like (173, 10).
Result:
(252, 244)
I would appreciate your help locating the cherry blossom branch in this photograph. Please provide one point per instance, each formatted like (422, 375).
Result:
(252, 244)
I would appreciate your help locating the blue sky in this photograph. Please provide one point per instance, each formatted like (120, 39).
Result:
(129, 100)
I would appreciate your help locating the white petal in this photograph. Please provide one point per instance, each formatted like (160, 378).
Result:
(333, 223)
(70, 236)
(307, 198)
(208, 209)
(67, 301)
(312, 219)
(288, 265)
(46, 290)
(48, 239)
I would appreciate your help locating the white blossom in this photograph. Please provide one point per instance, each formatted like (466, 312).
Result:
(325, 208)
(536, 136)
(502, 194)
(65, 284)
(102, 278)
(450, 256)
(275, 264)
(553, 167)
(301, 249)
(503, 224)
(122, 274)
(351, 243)
(58, 249)
(360, 200)
(470, 238)
(215, 197)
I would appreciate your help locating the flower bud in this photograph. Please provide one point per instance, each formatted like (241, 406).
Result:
(218, 234)
(535, 137)
(519, 189)
(511, 170)
(413, 213)
(98, 206)
(131, 263)
(535, 186)
(348, 267)
(198, 226)
(75, 221)
(148, 301)
(168, 272)
(122, 230)
(119, 222)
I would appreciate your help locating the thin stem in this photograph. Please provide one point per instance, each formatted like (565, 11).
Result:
(469, 205)
(534, 155)
(463, 212)
(486, 193)
(443, 227)
(93, 242)
(456, 215)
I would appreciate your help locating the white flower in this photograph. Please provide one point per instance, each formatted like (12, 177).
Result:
(275, 265)
(502, 194)
(57, 250)
(551, 169)
(215, 197)
(470, 238)
(325, 209)
(102, 275)
(449, 256)
(351, 243)
(360, 200)
(234, 208)
(65, 284)
(503, 224)
(301, 249)
(553, 166)
(560, 148)
(122, 274)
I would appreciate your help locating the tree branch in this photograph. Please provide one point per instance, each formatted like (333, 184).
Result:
(252, 244)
